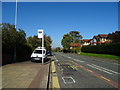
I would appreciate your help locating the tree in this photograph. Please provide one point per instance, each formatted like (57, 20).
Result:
(14, 40)
(34, 42)
(57, 49)
(71, 37)
(114, 37)
(48, 42)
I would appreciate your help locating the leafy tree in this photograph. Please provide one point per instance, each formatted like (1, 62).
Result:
(34, 42)
(48, 42)
(13, 40)
(57, 49)
(114, 37)
(71, 37)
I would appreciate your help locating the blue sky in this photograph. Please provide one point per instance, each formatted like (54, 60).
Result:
(59, 18)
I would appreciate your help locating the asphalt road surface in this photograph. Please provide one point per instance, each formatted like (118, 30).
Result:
(76, 71)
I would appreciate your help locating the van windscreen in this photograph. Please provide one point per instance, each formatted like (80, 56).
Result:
(39, 51)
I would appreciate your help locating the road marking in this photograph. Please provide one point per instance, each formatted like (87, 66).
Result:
(111, 82)
(73, 58)
(53, 67)
(63, 78)
(55, 80)
(105, 78)
(106, 69)
(89, 70)
(99, 69)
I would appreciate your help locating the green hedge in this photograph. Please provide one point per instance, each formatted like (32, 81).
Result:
(113, 48)
(23, 52)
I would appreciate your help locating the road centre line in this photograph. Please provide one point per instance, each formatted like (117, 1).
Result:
(105, 78)
(106, 69)
(73, 58)
(99, 69)
(111, 82)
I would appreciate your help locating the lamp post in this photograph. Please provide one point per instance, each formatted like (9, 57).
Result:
(16, 13)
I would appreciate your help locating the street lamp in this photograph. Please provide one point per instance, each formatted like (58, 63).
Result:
(16, 13)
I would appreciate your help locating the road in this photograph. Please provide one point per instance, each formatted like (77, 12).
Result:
(76, 71)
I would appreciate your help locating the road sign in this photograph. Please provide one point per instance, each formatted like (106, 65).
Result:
(40, 33)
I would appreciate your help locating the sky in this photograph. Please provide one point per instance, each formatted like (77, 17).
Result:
(59, 18)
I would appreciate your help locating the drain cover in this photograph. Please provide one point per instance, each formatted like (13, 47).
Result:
(68, 80)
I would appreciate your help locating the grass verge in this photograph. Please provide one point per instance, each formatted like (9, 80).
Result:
(113, 57)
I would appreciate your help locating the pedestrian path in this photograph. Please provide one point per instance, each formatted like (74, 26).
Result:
(25, 75)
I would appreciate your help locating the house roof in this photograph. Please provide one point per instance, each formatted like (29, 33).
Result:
(75, 45)
(95, 36)
(86, 40)
(103, 35)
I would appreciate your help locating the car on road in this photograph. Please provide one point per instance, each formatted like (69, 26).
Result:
(49, 53)
(38, 54)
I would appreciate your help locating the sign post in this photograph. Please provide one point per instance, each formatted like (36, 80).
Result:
(41, 35)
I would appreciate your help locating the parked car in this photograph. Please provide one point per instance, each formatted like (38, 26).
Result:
(38, 54)
(49, 53)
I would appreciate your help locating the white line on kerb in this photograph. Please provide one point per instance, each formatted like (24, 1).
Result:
(99, 69)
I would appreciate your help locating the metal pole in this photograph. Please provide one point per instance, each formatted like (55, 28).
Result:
(16, 13)
(42, 46)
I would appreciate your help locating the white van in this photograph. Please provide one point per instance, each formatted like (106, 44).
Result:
(37, 54)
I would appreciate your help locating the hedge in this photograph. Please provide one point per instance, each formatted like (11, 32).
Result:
(23, 52)
(112, 48)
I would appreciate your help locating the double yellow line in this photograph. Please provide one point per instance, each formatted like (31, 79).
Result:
(55, 81)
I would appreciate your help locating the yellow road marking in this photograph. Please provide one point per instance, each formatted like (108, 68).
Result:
(104, 78)
(55, 80)
(89, 70)
(53, 67)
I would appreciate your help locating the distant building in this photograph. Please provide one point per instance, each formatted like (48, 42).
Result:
(86, 42)
(73, 45)
(102, 39)
(97, 39)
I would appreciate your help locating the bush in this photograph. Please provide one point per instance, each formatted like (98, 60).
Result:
(113, 48)
(23, 52)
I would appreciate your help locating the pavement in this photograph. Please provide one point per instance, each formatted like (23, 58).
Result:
(89, 73)
(25, 74)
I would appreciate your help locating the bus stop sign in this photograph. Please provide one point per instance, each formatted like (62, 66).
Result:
(40, 33)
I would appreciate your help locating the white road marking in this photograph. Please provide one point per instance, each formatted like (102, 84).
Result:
(73, 81)
(72, 58)
(99, 69)
(106, 69)
(56, 59)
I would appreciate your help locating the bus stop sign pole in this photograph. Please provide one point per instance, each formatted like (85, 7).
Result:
(41, 35)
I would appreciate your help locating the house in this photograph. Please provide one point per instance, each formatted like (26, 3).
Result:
(95, 40)
(86, 42)
(73, 45)
(102, 39)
